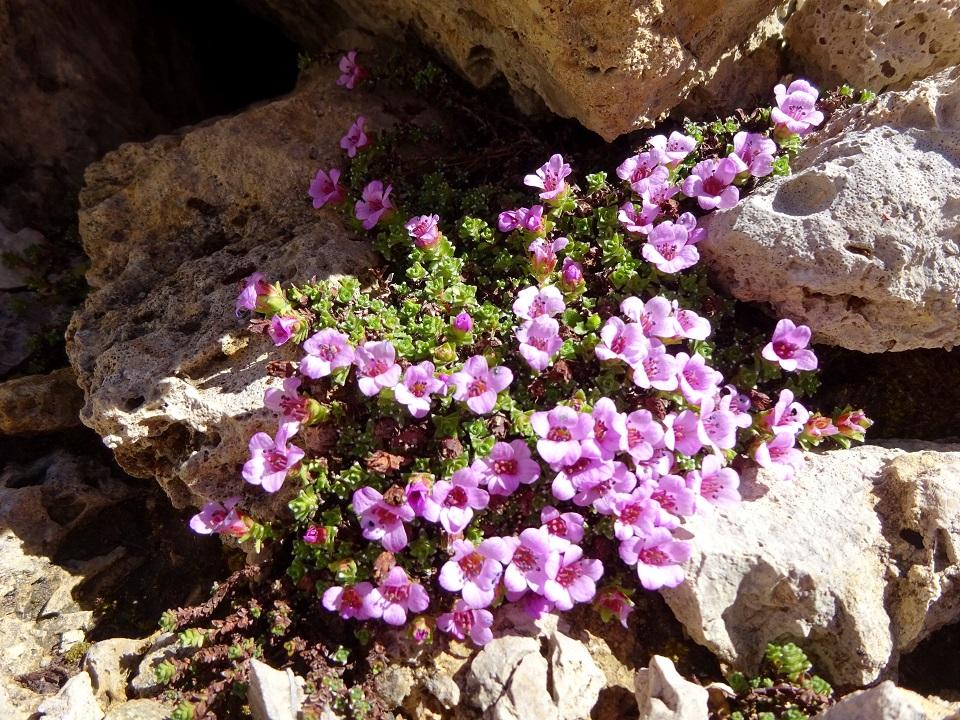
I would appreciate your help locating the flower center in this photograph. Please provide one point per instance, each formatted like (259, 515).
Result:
(472, 564)
(351, 599)
(569, 574)
(653, 556)
(713, 186)
(538, 342)
(668, 250)
(631, 513)
(599, 430)
(667, 501)
(578, 467)
(618, 344)
(457, 497)
(377, 367)
(384, 516)
(559, 434)
(524, 559)
(396, 593)
(276, 460)
(477, 387)
(557, 526)
(418, 389)
(784, 349)
(463, 620)
(327, 352)
(505, 467)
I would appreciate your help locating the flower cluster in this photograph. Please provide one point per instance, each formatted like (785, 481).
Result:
(526, 417)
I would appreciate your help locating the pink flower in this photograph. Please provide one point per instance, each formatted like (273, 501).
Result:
(571, 275)
(418, 385)
(797, 107)
(463, 323)
(528, 219)
(644, 171)
(282, 328)
(634, 512)
(550, 178)
(644, 435)
(567, 578)
(780, 456)
(853, 424)
(254, 287)
(356, 137)
(376, 367)
(654, 315)
(374, 203)
(474, 572)
(539, 341)
(478, 385)
(601, 492)
(326, 351)
(561, 431)
(710, 183)
(325, 189)
(456, 499)
(350, 71)
(525, 555)
(507, 466)
(641, 222)
(609, 428)
(464, 621)
(223, 519)
(660, 194)
(787, 347)
(271, 458)
(683, 432)
(418, 497)
(423, 229)
(674, 149)
(576, 479)
(669, 248)
(718, 424)
(396, 596)
(622, 341)
(697, 379)
(689, 324)
(716, 485)
(657, 369)
(657, 557)
(543, 255)
(753, 152)
(533, 302)
(352, 601)
(671, 493)
(613, 602)
(287, 401)
(381, 520)
(786, 416)
(567, 526)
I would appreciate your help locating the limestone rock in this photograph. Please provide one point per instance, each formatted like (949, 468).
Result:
(492, 668)
(139, 710)
(40, 403)
(273, 694)
(109, 664)
(663, 694)
(173, 381)
(770, 569)
(862, 242)
(164, 646)
(613, 65)
(75, 701)
(875, 44)
(576, 679)
(888, 702)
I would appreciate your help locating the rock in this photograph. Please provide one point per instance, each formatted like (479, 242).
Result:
(109, 664)
(15, 243)
(663, 694)
(75, 701)
(612, 65)
(273, 694)
(528, 693)
(393, 685)
(443, 689)
(493, 667)
(139, 710)
(164, 646)
(576, 681)
(768, 570)
(173, 381)
(888, 702)
(40, 403)
(875, 44)
(862, 242)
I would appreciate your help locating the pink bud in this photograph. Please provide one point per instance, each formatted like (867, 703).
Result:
(572, 274)
(463, 322)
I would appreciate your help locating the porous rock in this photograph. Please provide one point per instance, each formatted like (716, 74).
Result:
(40, 403)
(613, 64)
(109, 664)
(855, 560)
(139, 710)
(75, 701)
(663, 694)
(173, 381)
(862, 241)
(886, 701)
(875, 44)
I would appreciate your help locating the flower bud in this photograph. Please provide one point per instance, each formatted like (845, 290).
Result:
(572, 275)
(463, 322)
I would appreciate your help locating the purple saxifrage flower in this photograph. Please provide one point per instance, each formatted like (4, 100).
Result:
(796, 107)
(669, 248)
(220, 518)
(382, 520)
(622, 341)
(287, 400)
(325, 188)
(356, 137)
(419, 383)
(561, 432)
(780, 456)
(644, 171)
(539, 341)
(753, 153)
(673, 149)
(376, 367)
(272, 457)
(533, 302)
(609, 428)
(658, 557)
(423, 229)
(351, 71)
(282, 328)
(567, 526)
(474, 572)
(788, 345)
(567, 578)
(456, 499)
(352, 601)
(466, 621)
(478, 385)
(374, 204)
(638, 222)
(507, 466)
(327, 351)
(710, 183)
(397, 595)
(550, 178)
